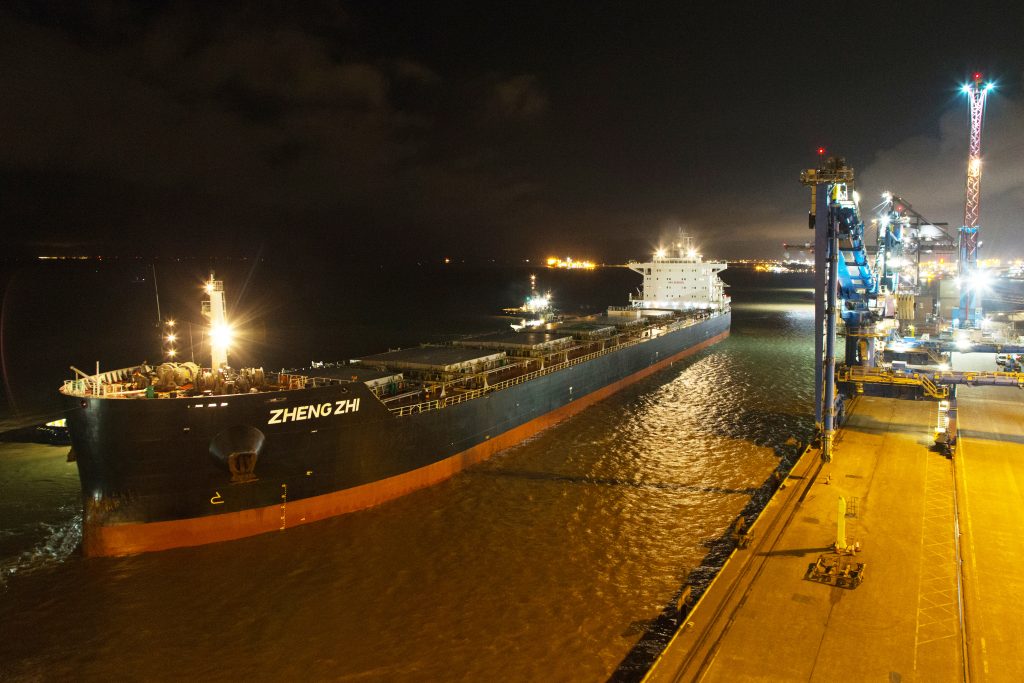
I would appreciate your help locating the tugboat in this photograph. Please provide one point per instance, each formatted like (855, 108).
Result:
(536, 311)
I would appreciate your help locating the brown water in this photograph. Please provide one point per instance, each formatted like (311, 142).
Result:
(549, 562)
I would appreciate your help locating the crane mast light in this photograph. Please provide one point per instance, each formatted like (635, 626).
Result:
(970, 301)
(972, 207)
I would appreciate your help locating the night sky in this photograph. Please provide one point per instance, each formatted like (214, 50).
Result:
(375, 130)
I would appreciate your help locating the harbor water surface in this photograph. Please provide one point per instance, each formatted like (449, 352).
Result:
(548, 562)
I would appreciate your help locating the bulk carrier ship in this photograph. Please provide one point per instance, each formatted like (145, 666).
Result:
(178, 455)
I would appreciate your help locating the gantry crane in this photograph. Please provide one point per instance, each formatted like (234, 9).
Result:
(916, 235)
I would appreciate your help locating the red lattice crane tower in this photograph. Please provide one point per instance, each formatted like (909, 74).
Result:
(969, 299)
(976, 94)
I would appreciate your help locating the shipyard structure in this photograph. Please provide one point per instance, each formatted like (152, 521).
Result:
(887, 551)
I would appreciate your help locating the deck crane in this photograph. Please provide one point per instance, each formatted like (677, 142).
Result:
(970, 299)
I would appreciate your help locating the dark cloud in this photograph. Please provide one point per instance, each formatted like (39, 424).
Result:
(413, 71)
(450, 128)
(234, 115)
(519, 97)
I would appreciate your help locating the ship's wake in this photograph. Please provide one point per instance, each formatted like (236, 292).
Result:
(58, 542)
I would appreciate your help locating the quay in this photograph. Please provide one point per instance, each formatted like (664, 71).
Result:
(943, 579)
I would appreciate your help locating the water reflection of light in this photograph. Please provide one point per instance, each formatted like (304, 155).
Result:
(794, 290)
(803, 308)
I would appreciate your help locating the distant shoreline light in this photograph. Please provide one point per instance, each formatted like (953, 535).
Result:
(570, 263)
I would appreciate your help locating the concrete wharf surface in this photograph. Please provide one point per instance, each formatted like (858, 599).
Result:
(762, 619)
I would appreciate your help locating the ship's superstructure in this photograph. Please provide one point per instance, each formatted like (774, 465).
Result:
(177, 455)
(215, 309)
(679, 278)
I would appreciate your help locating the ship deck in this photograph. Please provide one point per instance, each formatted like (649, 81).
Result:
(414, 380)
(932, 605)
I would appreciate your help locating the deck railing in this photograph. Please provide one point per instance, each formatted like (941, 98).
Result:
(862, 375)
(119, 383)
(111, 384)
(438, 403)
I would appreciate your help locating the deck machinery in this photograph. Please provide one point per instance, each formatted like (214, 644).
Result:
(862, 296)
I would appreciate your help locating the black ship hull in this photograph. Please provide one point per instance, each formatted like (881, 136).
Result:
(159, 474)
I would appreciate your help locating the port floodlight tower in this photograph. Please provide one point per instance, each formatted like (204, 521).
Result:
(970, 280)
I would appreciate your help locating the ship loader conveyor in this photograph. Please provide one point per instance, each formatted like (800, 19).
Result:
(933, 385)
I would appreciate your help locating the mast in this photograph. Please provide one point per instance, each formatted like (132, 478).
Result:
(165, 328)
(970, 302)
(976, 93)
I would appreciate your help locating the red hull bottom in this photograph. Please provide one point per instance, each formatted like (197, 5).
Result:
(128, 539)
